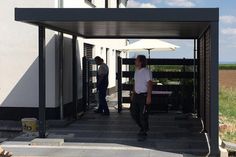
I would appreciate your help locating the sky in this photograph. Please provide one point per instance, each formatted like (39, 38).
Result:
(227, 32)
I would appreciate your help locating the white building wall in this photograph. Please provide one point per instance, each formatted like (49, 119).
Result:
(75, 4)
(18, 58)
(100, 46)
(19, 52)
(123, 3)
(99, 3)
(113, 45)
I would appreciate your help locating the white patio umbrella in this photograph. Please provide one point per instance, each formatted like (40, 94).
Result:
(150, 45)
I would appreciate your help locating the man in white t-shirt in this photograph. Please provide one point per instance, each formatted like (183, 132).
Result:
(102, 84)
(142, 95)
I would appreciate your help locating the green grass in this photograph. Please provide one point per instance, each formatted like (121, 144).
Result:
(227, 67)
(228, 114)
(228, 102)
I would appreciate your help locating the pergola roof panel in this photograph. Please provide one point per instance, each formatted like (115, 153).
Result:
(122, 23)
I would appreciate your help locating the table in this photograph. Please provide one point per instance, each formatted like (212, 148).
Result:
(160, 101)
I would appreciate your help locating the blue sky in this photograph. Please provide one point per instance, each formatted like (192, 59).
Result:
(227, 25)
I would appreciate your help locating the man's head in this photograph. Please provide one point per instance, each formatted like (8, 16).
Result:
(98, 60)
(140, 61)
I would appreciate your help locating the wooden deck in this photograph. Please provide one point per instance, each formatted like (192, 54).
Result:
(116, 135)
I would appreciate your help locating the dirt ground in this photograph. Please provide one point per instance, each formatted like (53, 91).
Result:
(227, 78)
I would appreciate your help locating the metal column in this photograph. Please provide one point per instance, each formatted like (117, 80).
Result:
(75, 80)
(85, 84)
(198, 78)
(42, 82)
(61, 47)
(194, 74)
(119, 80)
(214, 89)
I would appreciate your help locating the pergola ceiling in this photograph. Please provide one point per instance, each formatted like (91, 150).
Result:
(122, 23)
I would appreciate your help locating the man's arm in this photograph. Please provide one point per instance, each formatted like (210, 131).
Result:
(132, 93)
(149, 92)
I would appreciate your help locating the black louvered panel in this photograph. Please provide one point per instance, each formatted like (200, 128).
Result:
(207, 79)
(92, 68)
(88, 50)
(202, 74)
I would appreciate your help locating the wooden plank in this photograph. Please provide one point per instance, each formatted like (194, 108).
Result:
(155, 87)
(130, 61)
(93, 73)
(130, 74)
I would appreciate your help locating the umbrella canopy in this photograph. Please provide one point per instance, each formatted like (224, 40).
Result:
(150, 45)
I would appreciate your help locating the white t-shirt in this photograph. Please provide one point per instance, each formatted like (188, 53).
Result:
(103, 69)
(141, 78)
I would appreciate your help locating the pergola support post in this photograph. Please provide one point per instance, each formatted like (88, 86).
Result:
(119, 79)
(198, 78)
(214, 89)
(42, 81)
(194, 75)
(61, 48)
(75, 80)
(85, 82)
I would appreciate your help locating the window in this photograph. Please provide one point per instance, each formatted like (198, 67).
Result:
(107, 53)
(117, 3)
(106, 3)
(88, 50)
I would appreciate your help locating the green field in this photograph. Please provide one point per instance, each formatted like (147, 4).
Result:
(227, 67)
(228, 114)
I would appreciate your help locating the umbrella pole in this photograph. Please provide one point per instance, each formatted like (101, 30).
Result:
(149, 53)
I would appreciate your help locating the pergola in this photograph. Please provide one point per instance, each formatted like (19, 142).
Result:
(192, 23)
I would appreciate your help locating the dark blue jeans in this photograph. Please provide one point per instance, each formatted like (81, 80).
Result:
(102, 92)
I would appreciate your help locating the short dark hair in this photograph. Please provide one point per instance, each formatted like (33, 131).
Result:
(98, 58)
(143, 60)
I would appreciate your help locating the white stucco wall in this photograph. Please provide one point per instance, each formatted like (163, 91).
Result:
(19, 52)
(75, 4)
(100, 50)
(123, 3)
(18, 58)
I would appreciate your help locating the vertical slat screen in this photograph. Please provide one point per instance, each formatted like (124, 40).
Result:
(207, 78)
(202, 83)
(205, 50)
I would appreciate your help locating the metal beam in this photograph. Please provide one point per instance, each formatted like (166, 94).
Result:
(75, 80)
(42, 82)
(113, 14)
(214, 89)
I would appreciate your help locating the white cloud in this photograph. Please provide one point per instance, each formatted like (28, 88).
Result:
(137, 4)
(180, 3)
(228, 19)
(229, 31)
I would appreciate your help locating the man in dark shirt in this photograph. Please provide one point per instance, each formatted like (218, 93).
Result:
(102, 84)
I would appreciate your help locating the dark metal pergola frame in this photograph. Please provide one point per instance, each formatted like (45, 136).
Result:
(132, 23)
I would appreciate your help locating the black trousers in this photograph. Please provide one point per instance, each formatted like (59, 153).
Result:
(140, 111)
(102, 92)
